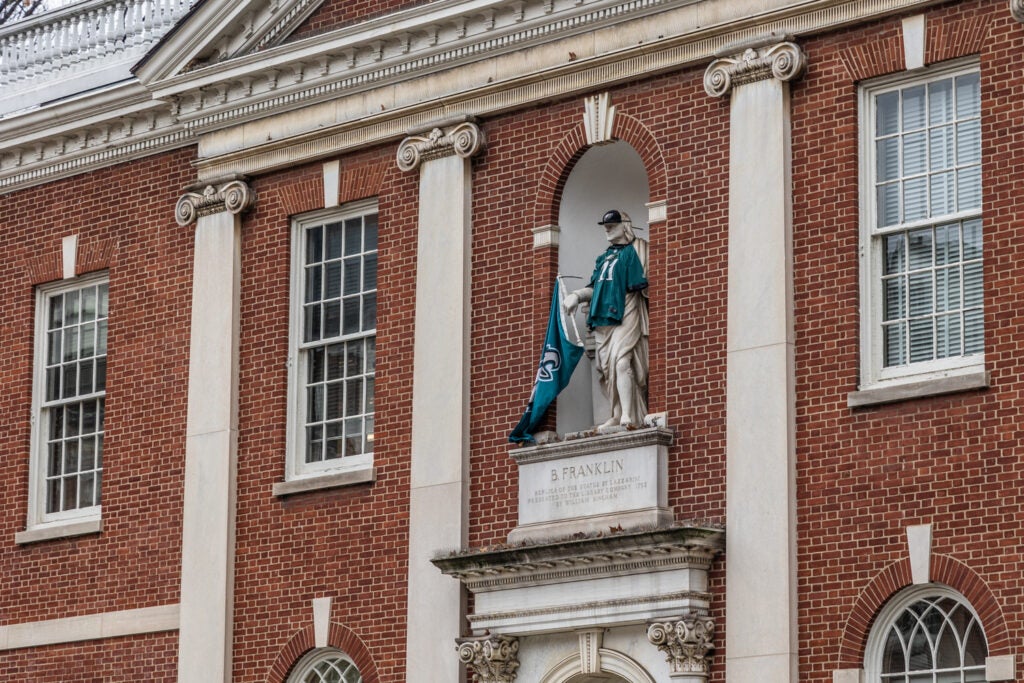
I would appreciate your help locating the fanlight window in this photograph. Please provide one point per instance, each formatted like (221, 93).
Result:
(326, 666)
(934, 639)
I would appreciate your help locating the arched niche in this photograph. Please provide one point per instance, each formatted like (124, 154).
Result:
(610, 176)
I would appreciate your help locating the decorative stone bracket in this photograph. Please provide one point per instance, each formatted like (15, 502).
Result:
(784, 61)
(234, 196)
(687, 641)
(465, 140)
(492, 659)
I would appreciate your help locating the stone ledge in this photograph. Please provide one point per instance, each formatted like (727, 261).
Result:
(365, 475)
(49, 533)
(593, 443)
(906, 391)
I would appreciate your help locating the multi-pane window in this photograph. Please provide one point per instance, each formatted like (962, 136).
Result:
(73, 380)
(924, 224)
(336, 321)
(326, 666)
(931, 639)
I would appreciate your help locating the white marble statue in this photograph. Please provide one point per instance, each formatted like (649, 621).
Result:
(618, 315)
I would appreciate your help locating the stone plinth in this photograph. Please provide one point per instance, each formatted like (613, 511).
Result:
(593, 484)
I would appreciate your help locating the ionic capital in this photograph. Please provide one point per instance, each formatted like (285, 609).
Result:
(1017, 10)
(465, 140)
(234, 196)
(784, 61)
(687, 642)
(492, 659)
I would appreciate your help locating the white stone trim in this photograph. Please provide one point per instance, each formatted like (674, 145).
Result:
(612, 662)
(1002, 668)
(848, 676)
(599, 118)
(89, 627)
(934, 385)
(321, 621)
(657, 211)
(69, 252)
(546, 236)
(332, 183)
(919, 549)
(361, 475)
(914, 41)
(61, 530)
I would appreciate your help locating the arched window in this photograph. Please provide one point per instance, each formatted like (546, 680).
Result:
(325, 665)
(927, 634)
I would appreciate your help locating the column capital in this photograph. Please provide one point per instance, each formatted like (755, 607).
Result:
(686, 642)
(1017, 10)
(492, 659)
(784, 61)
(233, 196)
(464, 139)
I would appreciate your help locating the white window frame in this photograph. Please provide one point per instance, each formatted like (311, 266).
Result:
(42, 525)
(314, 657)
(877, 383)
(350, 469)
(874, 650)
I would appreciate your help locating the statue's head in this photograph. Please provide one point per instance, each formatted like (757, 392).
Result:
(617, 227)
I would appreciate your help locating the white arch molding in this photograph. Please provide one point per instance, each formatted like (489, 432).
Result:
(570, 670)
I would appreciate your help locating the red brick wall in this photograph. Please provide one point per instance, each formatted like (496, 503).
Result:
(151, 658)
(334, 14)
(350, 543)
(124, 217)
(952, 461)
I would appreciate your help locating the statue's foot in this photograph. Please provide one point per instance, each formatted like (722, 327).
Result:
(612, 421)
(626, 422)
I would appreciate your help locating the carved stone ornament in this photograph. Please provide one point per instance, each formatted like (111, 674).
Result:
(687, 642)
(492, 659)
(784, 61)
(1017, 10)
(465, 139)
(599, 118)
(234, 197)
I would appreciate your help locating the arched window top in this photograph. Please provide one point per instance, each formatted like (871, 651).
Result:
(325, 665)
(927, 634)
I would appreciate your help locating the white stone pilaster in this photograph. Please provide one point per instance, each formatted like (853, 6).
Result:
(211, 442)
(438, 512)
(761, 635)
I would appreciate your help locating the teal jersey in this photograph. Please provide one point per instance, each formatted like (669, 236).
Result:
(617, 271)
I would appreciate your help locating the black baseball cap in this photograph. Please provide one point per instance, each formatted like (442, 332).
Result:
(610, 217)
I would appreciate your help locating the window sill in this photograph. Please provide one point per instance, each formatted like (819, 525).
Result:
(363, 475)
(906, 391)
(49, 533)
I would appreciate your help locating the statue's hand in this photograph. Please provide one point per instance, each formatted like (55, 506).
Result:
(572, 302)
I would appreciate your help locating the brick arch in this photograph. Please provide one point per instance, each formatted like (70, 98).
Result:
(338, 636)
(574, 145)
(896, 577)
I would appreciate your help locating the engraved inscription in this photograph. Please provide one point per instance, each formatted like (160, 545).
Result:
(585, 484)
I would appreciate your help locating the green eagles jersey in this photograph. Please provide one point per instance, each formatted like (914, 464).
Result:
(617, 271)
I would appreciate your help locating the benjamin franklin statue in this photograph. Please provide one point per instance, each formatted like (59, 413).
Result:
(618, 315)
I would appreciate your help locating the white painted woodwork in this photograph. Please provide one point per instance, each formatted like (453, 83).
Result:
(440, 417)
(208, 537)
(761, 642)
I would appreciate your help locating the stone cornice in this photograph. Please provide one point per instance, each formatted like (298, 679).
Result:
(574, 559)
(599, 443)
(783, 60)
(464, 140)
(233, 196)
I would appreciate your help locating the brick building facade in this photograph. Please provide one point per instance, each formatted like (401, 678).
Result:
(277, 273)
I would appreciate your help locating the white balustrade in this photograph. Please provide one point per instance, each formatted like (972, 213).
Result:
(58, 44)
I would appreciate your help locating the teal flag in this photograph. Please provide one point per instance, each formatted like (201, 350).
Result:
(558, 359)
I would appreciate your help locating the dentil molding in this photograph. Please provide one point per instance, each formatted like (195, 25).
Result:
(492, 659)
(234, 196)
(465, 140)
(784, 61)
(686, 641)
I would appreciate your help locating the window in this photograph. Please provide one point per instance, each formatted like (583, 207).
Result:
(334, 320)
(923, 315)
(69, 402)
(927, 634)
(325, 665)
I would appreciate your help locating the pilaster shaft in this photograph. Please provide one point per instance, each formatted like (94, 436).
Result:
(438, 514)
(760, 394)
(208, 535)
